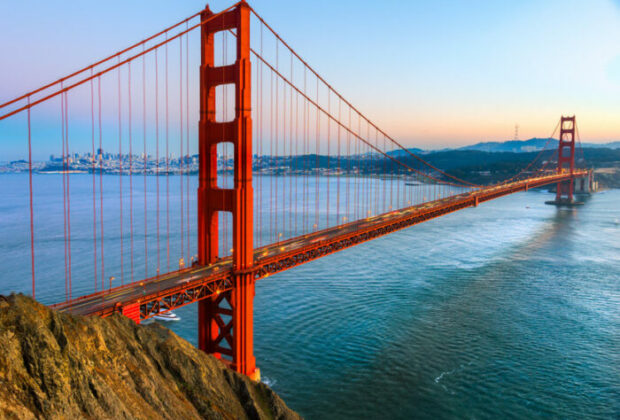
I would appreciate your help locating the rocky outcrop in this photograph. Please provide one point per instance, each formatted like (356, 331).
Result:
(55, 365)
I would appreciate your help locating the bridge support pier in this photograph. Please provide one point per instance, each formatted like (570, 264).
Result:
(243, 326)
(225, 322)
(226, 326)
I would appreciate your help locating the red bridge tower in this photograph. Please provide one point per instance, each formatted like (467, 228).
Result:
(225, 322)
(566, 159)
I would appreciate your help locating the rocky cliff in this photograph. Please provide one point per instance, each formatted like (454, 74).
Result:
(54, 365)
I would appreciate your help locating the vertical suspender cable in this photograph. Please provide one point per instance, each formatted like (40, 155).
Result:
(146, 253)
(398, 171)
(260, 140)
(291, 162)
(305, 150)
(187, 175)
(284, 132)
(157, 160)
(68, 195)
(375, 166)
(271, 134)
(357, 172)
(64, 190)
(348, 166)
(364, 196)
(391, 184)
(316, 181)
(130, 168)
(30, 197)
(92, 132)
(284, 143)
(120, 173)
(339, 175)
(277, 112)
(167, 164)
(100, 180)
(384, 182)
(296, 201)
(181, 165)
(259, 152)
(328, 151)
(368, 160)
(284, 120)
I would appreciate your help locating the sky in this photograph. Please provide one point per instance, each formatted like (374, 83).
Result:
(432, 74)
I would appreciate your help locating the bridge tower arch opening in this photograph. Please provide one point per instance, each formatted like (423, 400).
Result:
(225, 321)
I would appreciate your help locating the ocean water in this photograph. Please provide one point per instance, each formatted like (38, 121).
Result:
(508, 310)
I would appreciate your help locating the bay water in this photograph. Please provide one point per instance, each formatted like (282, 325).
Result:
(507, 310)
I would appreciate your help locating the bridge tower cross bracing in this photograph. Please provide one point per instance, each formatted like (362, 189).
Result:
(566, 159)
(225, 322)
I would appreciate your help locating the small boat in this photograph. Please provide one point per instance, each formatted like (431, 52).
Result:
(167, 316)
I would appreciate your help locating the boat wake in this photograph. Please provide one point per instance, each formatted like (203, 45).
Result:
(169, 316)
(450, 372)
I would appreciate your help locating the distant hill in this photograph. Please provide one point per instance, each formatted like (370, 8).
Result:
(401, 153)
(531, 145)
(610, 145)
(512, 146)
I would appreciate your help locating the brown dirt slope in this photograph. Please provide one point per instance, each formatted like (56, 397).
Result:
(55, 365)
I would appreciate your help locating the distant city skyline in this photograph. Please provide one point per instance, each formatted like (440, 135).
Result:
(508, 145)
(435, 74)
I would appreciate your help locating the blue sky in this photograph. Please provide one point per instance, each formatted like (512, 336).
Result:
(431, 73)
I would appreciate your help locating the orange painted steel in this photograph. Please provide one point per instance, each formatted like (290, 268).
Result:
(564, 192)
(225, 320)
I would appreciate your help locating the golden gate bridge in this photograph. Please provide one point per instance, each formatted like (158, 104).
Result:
(289, 171)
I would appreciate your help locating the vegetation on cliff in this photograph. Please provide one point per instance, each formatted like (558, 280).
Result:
(55, 365)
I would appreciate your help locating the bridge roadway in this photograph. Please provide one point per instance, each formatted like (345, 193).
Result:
(146, 298)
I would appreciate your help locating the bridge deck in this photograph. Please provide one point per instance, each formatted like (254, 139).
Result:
(179, 288)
